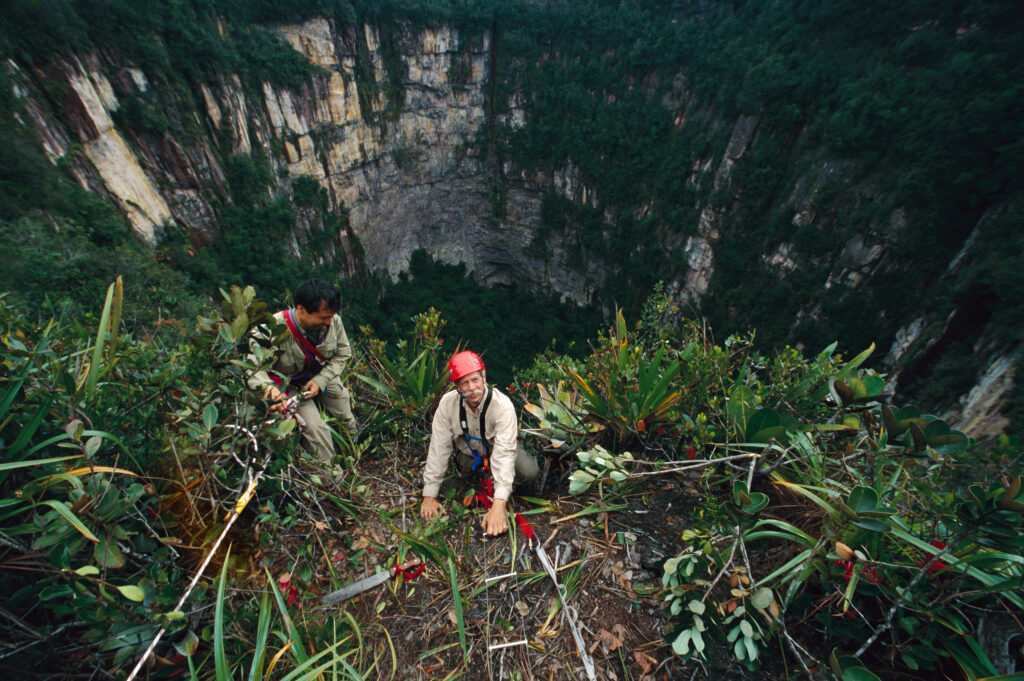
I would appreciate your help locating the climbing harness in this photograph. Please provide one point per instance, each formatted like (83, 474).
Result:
(314, 359)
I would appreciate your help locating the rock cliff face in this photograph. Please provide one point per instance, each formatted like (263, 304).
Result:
(408, 172)
(407, 179)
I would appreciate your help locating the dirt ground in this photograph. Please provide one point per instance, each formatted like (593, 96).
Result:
(609, 561)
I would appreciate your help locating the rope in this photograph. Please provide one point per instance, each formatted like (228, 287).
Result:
(569, 613)
(236, 511)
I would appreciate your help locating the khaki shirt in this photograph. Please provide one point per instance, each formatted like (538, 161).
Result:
(291, 361)
(502, 428)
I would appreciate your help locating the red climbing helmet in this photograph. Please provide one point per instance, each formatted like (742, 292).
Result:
(464, 363)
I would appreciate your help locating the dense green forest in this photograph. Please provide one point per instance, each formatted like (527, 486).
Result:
(808, 521)
(916, 104)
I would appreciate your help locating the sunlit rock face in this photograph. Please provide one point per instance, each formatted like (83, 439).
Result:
(89, 101)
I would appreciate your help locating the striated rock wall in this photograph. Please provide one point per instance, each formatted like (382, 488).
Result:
(407, 179)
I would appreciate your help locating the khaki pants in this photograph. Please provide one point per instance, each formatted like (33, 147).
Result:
(337, 402)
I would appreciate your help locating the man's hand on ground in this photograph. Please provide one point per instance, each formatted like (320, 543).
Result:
(310, 390)
(430, 507)
(494, 521)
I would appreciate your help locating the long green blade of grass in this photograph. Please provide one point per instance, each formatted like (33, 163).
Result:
(66, 513)
(219, 658)
(298, 650)
(259, 653)
(36, 462)
(457, 597)
(97, 350)
(30, 428)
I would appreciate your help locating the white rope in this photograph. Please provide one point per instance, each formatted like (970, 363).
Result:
(500, 577)
(232, 516)
(569, 613)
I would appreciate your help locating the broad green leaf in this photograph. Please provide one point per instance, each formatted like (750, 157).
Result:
(681, 646)
(872, 525)
(858, 674)
(188, 645)
(108, 554)
(762, 598)
(210, 416)
(751, 647)
(862, 498)
(132, 592)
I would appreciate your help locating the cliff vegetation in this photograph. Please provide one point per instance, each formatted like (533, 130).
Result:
(750, 272)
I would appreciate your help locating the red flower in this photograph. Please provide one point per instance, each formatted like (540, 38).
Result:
(641, 426)
(176, 393)
(868, 575)
(691, 453)
(937, 566)
(293, 595)
(661, 430)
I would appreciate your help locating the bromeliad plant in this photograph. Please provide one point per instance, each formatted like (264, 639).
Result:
(628, 389)
(875, 552)
(560, 421)
(408, 383)
(852, 506)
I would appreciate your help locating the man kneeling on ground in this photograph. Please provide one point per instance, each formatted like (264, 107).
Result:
(309, 363)
(478, 423)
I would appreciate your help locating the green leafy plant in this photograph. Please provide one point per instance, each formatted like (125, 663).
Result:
(624, 390)
(560, 423)
(409, 384)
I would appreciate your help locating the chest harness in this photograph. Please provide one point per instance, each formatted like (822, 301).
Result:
(481, 463)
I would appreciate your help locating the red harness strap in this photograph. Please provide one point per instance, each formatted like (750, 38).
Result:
(486, 497)
(408, 575)
(314, 358)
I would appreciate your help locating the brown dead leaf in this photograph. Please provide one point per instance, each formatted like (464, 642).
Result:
(645, 661)
(431, 668)
(321, 525)
(452, 618)
(610, 640)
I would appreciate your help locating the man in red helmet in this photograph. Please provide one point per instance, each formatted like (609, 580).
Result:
(479, 423)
